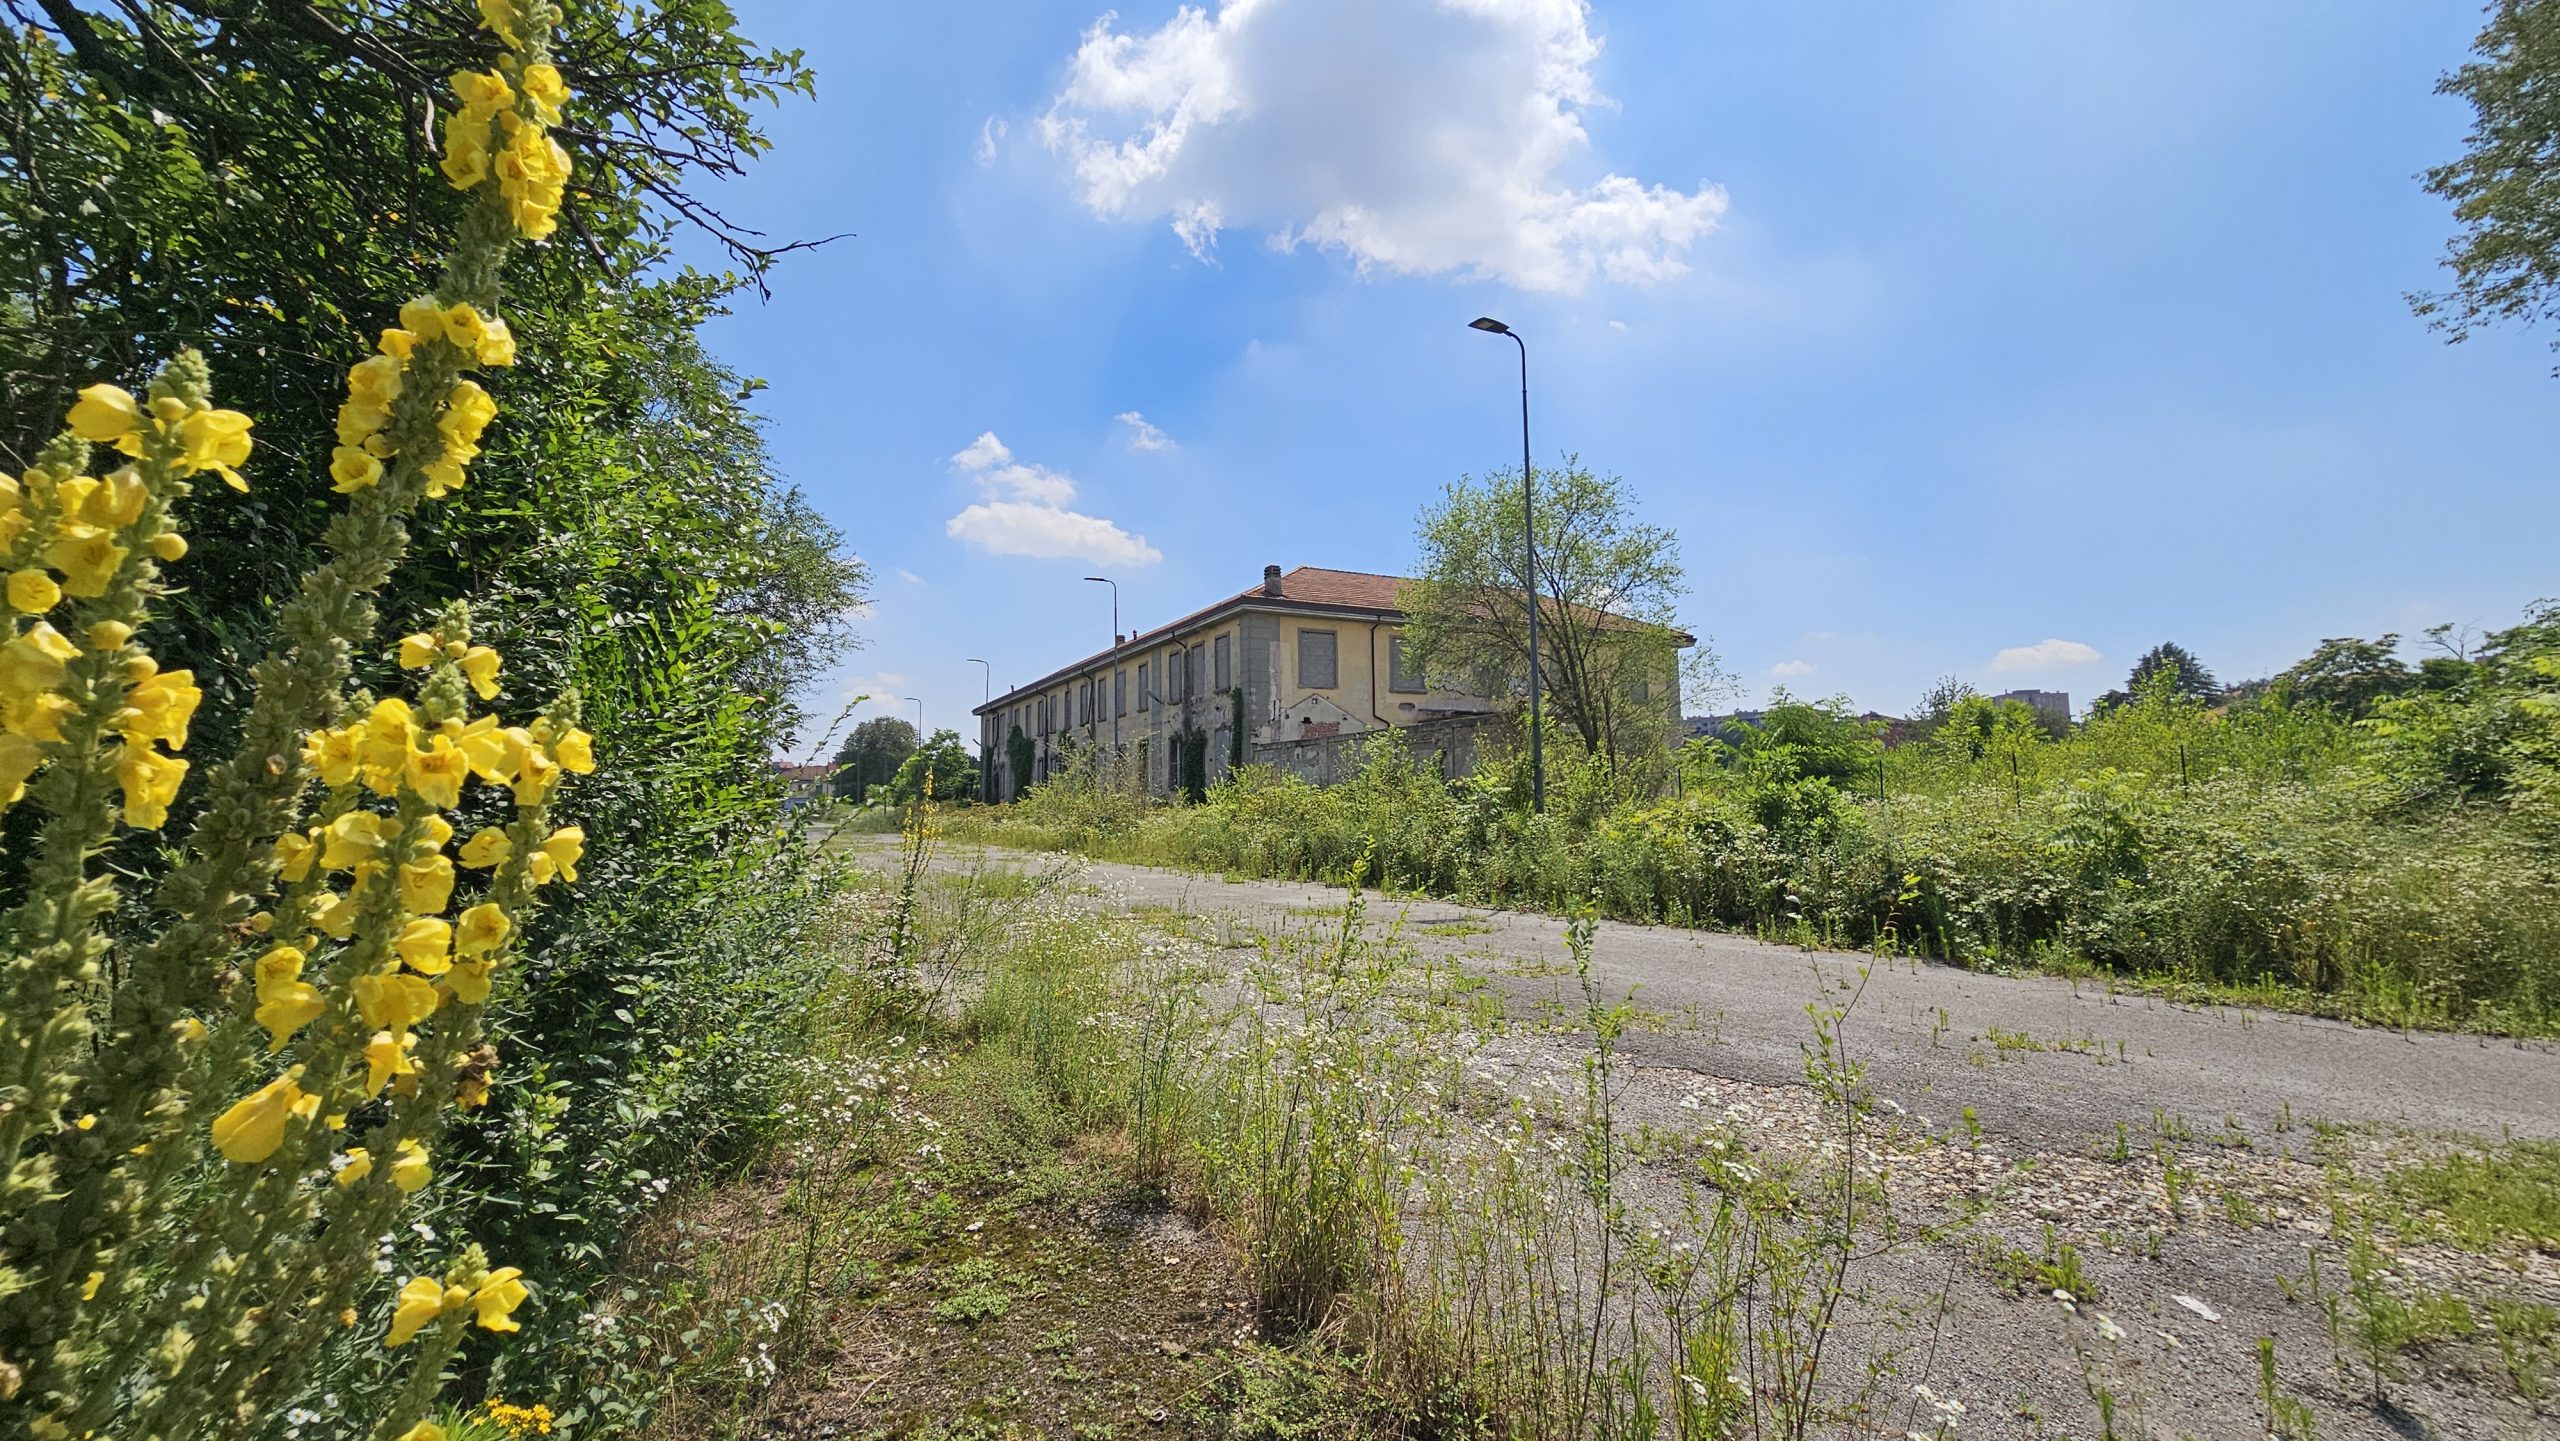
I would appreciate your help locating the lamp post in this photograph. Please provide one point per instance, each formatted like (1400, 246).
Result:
(986, 762)
(919, 705)
(1112, 678)
(1529, 536)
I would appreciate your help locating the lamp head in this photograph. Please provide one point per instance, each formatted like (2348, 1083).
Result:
(1489, 325)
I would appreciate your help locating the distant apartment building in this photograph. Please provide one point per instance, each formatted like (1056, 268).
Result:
(1291, 673)
(2053, 705)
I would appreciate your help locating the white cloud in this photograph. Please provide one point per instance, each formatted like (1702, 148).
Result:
(1143, 434)
(1618, 325)
(1792, 668)
(1424, 137)
(1025, 513)
(990, 136)
(910, 577)
(2044, 654)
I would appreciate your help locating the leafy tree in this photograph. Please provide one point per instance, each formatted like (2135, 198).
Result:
(1610, 651)
(2184, 675)
(872, 755)
(2505, 187)
(944, 761)
(2350, 676)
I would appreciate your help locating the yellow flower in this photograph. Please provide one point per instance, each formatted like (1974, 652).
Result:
(467, 412)
(333, 754)
(277, 967)
(409, 1168)
(499, 1296)
(89, 1288)
(160, 708)
(419, 650)
(426, 945)
(386, 1056)
(486, 91)
(541, 868)
(253, 1128)
(487, 847)
(352, 469)
(444, 477)
(34, 662)
(426, 887)
(287, 1007)
(87, 556)
(466, 150)
(464, 326)
(397, 343)
(385, 746)
(433, 832)
(564, 846)
(423, 1431)
(359, 1164)
(106, 414)
(374, 381)
(534, 778)
(437, 773)
(338, 919)
(495, 754)
(421, 1301)
(497, 344)
(575, 750)
(393, 1003)
(483, 929)
(469, 981)
(500, 17)
(169, 546)
(480, 667)
(115, 500)
(421, 316)
(150, 782)
(32, 591)
(19, 758)
(215, 440)
(353, 839)
(357, 422)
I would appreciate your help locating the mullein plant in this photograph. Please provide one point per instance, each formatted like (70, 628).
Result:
(215, 1106)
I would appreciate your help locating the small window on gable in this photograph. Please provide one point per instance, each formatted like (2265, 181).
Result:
(1316, 668)
(1222, 664)
(1403, 675)
(1142, 685)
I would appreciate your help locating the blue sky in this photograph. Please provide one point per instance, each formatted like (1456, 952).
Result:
(1936, 332)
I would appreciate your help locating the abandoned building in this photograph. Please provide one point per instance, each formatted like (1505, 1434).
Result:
(1292, 673)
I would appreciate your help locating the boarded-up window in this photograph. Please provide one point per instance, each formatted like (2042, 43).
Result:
(1176, 675)
(1084, 703)
(1403, 674)
(1221, 663)
(1142, 687)
(1119, 692)
(1316, 668)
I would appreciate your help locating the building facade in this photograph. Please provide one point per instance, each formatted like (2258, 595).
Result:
(1286, 674)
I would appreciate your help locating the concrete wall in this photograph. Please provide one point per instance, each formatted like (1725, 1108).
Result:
(1450, 744)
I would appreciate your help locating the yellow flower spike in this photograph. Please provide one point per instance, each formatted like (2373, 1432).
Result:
(421, 1301)
(334, 754)
(564, 846)
(418, 651)
(469, 981)
(161, 708)
(169, 546)
(426, 887)
(254, 1127)
(480, 667)
(425, 945)
(393, 1003)
(351, 840)
(409, 1167)
(356, 1165)
(387, 1056)
(374, 381)
(285, 1008)
(483, 929)
(216, 440)
(357, 422)
(279, 966)
(497, 1298)
(575, 751)
(87, 556)
(105, 414)
(437, 773)
(468, 410)
(352, 469)
(32, 591)
(19, 758)
(466, 150)
(497, 344)
(487, 847)
(150, 782)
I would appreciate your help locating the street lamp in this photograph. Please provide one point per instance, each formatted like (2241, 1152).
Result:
(986, 767)
(919, 705)
(1529, 535)
(1112, 680)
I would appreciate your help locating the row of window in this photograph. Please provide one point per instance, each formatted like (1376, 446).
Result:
(1319, 668)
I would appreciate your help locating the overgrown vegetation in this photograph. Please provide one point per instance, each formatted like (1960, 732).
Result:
(2402, 864)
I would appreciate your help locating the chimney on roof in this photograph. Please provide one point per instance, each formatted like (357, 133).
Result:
(1271, 580)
